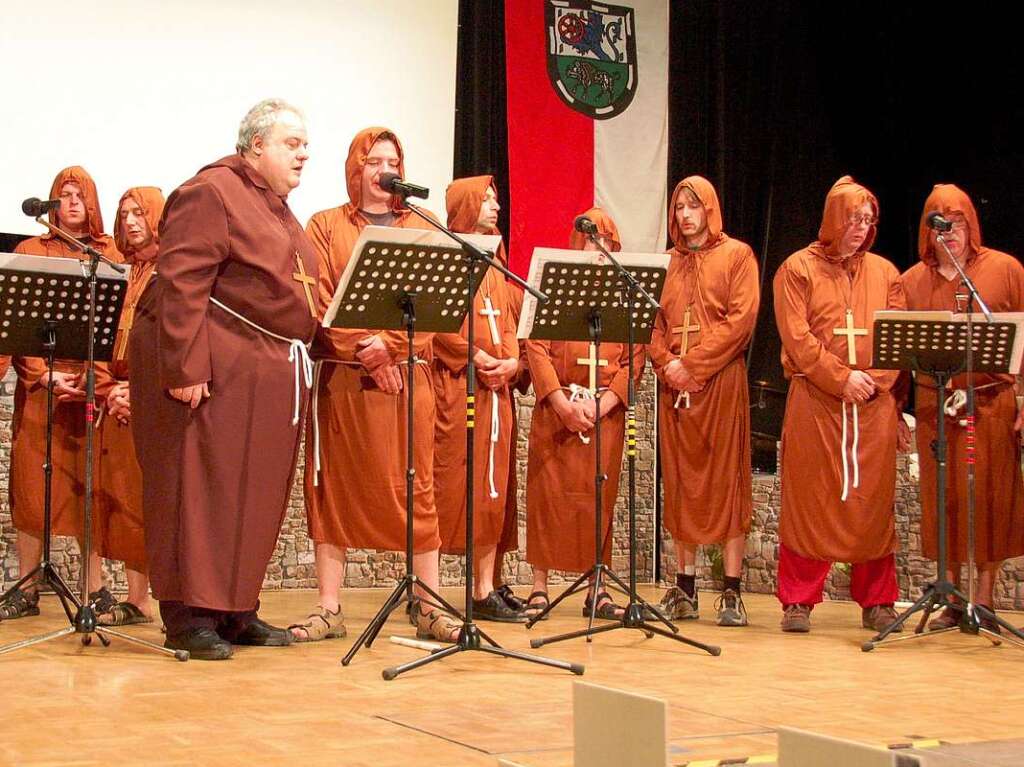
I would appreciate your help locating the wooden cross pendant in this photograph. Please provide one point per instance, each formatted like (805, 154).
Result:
(490, 313)
(307, 283)
(593, 363)
(127, 320)
(850, 331)
(684, 331)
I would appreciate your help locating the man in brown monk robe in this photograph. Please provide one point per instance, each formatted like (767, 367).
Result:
(839, 431)
(119, 498)
(473, 208)
(560, 475)
(218, 350)
(79, 215)
(934, 283)
(708, 312)
(357, 498)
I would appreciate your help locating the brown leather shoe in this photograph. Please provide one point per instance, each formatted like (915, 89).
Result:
(878, 618)
(947, 619)
(797, 619)
(987, 623)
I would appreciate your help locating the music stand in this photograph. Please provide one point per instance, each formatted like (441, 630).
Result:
(401, 278)
(935, 343)
(596, 301)
(67, 309)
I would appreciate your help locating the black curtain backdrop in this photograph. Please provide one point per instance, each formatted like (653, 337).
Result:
(774, 101)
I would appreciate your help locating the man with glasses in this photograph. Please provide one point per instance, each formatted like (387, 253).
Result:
(934, 283)
(839, 432)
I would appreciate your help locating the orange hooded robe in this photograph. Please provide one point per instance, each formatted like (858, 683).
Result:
(814, 288)
(561, 468)
(121, 533)
(28, 448)
(464, 199)
(705, 449)
(999, 495)
(358, 500)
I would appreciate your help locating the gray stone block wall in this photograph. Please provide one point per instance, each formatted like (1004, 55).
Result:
(293, 565)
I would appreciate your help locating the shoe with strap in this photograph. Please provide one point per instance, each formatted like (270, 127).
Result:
(433, 623)
(19, 604)
(796, 619)
(730, 608)
(879, 617)
(319, 625)
(677, 605)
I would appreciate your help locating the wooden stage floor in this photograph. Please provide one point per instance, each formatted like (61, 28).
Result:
(64, 704)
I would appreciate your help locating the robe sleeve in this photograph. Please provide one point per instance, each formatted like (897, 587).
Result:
(810, 357)
(450, 349)
(730, 336)
(545, 379)
(341, 342)
(194, 241)
(660, 348)
(897, 299)
(105, 381)
(29, 370)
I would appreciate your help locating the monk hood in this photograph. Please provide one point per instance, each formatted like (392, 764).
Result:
(151, 200)
(948, 199)
(605, 228)
(463, 200)
(705, 192)
(843, 199)
(357, 151)
(76, 174)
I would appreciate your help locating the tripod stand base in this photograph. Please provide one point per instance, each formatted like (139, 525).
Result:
(469, 639)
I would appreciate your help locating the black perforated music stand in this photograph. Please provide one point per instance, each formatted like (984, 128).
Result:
(46, 311)
(937, 348)
(589, 301)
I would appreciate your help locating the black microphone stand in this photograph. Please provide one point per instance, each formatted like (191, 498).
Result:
(470, 635)
(84, 621)
(634, 615)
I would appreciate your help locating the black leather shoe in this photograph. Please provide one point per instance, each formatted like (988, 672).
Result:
(509, 596)
(259, 633)
(494, 608)
(202, 644)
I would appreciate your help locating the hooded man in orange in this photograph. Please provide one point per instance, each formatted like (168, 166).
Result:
(79, 215)
(119, 501)
(561, 464)
(934, 283)
(357, 498)
(473, 208)
(840, 422)
(708, 312)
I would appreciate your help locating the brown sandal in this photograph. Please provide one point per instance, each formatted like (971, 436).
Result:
(537, 603)
(123, 614)
(435, 624)
(320, 625)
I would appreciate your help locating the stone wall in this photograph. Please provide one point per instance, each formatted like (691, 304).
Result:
(293, 564)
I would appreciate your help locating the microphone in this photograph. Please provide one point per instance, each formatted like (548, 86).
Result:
(584, 225)
(35, 207)
(939, 223)
(392, 182)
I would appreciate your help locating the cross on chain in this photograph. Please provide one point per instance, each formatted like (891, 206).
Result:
(307, 283)
(850, 331)
(490, 313)
(593, 363)
(684, 331)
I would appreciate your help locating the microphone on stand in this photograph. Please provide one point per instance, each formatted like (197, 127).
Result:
(35, 207)
(392, 182)
(939, 223)
(584, 225)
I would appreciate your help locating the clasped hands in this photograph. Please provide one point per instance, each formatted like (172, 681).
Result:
(678, 377)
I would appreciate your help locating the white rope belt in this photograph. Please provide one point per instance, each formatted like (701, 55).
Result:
(846, 459)
(317, 370)
(577, 393)
(956, 401)
(495, 435)
(298, 355)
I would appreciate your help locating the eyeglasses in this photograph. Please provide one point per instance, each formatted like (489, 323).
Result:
(867, 220)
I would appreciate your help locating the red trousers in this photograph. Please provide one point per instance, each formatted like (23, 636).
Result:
(801, 580)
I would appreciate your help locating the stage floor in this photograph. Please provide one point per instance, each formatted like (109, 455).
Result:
(71, 705)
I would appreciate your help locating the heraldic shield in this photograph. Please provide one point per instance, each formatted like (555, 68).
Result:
(591, 55)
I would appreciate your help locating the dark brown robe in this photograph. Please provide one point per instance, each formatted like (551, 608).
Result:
(216, 480)
(998, 489)
(358, 500)
(814, 288)
(713, 293)
(28, 428)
